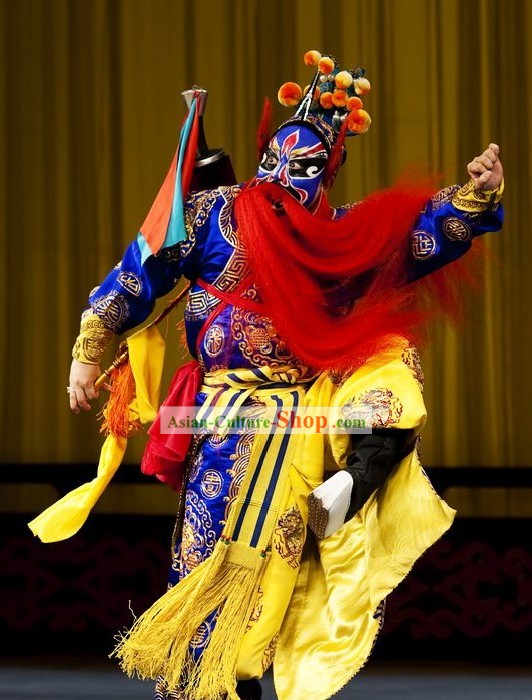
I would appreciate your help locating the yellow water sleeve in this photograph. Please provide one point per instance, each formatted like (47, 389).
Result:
(64, 518)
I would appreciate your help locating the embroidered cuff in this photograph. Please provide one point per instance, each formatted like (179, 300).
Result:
(475, 201)
(92, 340)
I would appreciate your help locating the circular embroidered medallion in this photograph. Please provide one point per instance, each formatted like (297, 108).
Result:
(211, 483)
(456, 230)
(202, 634)
(217, 440)
(131, 282)
(423, 245)
(113, 309)
(259, 338)
(214, 340)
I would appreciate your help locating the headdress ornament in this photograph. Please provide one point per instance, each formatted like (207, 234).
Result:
(333, 96)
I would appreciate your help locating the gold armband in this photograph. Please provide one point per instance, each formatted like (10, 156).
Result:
(92, 340)
(475, 201)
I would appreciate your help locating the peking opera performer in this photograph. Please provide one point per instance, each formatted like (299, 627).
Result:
(292, 304)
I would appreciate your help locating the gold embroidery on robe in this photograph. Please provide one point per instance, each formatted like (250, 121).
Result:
(289, 536)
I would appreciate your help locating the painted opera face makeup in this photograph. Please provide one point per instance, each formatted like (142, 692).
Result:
(295, 159)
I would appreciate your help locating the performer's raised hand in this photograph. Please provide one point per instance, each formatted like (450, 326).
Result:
(81, 388)
(486, 169)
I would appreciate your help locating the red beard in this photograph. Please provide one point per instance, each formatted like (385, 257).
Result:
(301, 261)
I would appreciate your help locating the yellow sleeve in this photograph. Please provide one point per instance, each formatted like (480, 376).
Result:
(92, 340)
(475, 201)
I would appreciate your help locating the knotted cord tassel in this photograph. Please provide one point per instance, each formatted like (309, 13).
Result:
(158, 644)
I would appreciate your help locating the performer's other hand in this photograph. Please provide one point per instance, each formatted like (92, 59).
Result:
(81, 385)
(486, 169)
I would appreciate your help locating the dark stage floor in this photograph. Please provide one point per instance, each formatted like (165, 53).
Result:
(90, 679)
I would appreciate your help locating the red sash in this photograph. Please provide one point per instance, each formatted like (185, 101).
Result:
(165, 453)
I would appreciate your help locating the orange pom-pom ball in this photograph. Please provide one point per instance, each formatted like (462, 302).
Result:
(326, 100)
(358, 121)
(316, 95)
(354, 103)
(325, 65)
(362, 86)
(312, 58)
(290, 94)
(339, 98)
(343, 79)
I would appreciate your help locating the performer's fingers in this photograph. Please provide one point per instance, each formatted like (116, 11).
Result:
(82, 398)
(73, 400)
(485, 160)
(476, 168)
(495, 148)
(90, 391)
(490, 155)
(484, 177)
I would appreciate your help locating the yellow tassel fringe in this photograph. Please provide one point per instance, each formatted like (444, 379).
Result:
(158, 644)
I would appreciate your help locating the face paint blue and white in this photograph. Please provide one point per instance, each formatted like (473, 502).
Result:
(295, 159)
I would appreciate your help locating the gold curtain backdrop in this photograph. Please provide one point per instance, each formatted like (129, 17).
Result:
(90, 115)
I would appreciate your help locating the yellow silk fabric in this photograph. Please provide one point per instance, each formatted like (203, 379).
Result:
(64, 518)
(329, 627)
(146, 356)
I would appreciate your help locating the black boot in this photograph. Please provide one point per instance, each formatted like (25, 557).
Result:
(370, 462)
(373, 458)
(249, 690)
